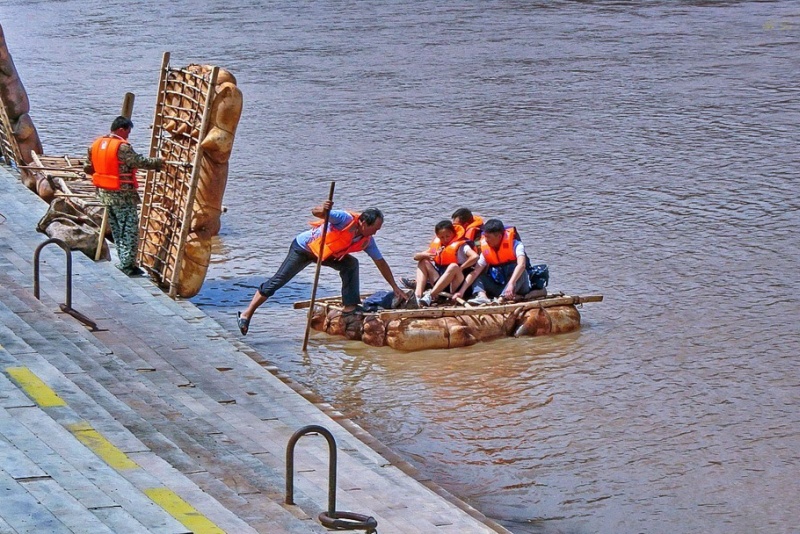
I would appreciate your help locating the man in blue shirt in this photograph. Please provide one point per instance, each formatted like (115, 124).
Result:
(347, 233)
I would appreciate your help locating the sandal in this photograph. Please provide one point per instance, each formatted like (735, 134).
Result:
(244, 324)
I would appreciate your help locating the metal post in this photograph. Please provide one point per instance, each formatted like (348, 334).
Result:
(67, 306)
(37, 253)
(331, 463)
(330, 519)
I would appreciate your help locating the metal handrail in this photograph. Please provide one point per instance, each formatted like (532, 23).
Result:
(330, 519)
(36, 255)
(67, 306)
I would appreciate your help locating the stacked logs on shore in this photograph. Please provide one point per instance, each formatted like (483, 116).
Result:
(420, 333)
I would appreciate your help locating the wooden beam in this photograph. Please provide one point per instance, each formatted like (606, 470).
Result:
(436, 312)
(301, 304)
(127, 105)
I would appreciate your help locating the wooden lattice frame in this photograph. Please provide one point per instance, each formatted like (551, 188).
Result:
(183, 104)
(9, 148)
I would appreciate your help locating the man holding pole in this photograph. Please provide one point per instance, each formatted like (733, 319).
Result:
(347, 233)
(113, 163)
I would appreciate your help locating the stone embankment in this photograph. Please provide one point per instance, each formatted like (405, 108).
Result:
(160, 421)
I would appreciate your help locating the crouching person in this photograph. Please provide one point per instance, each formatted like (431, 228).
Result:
(347, 234)
(501, 270)
(443, 264)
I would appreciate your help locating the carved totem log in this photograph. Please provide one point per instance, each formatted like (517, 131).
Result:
(17, 107)
(226, 109)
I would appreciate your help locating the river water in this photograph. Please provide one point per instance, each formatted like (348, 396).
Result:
(646, 151)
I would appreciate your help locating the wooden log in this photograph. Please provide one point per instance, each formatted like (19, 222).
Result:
(302, 304)
(127, 105)
(101, 236)
(44, 168)
(434, 313)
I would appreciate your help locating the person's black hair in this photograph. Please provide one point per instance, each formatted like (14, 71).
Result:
(444, 225)
(462, 214)
(493, 226)
(121, 122)
(370, 215)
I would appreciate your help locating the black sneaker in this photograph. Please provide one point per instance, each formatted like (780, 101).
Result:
(409, 283)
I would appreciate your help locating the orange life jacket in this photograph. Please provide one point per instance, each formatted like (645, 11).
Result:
(472, 232)
(339, 243)
(505, 254)
(448, 254)
(106, 164)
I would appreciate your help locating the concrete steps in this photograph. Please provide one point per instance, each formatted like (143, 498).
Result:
(67, 481)
(103, 389)
(194, 410)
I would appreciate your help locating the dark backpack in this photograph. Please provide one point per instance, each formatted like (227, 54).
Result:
(539, 276)
(378, 301)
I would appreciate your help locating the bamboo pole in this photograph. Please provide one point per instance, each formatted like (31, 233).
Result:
(301, 304)
(61, 169)
(149, 185)
(101, 235)
(459, 300)
(435, 313)
(35, 158)
(127, 105)
(319, 264)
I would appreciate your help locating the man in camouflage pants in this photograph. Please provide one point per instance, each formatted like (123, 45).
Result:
(113, 163)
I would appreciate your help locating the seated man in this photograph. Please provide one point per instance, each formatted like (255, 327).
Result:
(443, 263)
(501, 270)
(472, 225)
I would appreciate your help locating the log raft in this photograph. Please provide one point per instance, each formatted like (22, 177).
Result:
(442, 327)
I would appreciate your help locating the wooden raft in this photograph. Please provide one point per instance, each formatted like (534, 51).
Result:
(65, 174)
(440, 327)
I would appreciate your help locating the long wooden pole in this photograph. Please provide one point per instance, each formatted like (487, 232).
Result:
(101, 235)
(127, 105)
(435, 313)
(319, 265)
(154, 262)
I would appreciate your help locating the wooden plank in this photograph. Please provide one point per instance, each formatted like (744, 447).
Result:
(301, 304)
(40, 167)
(435, 313)
(145, 223)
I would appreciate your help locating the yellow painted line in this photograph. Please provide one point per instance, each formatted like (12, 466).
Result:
(34, 387)
(45, 397)
(183, 511)
(101, 446)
